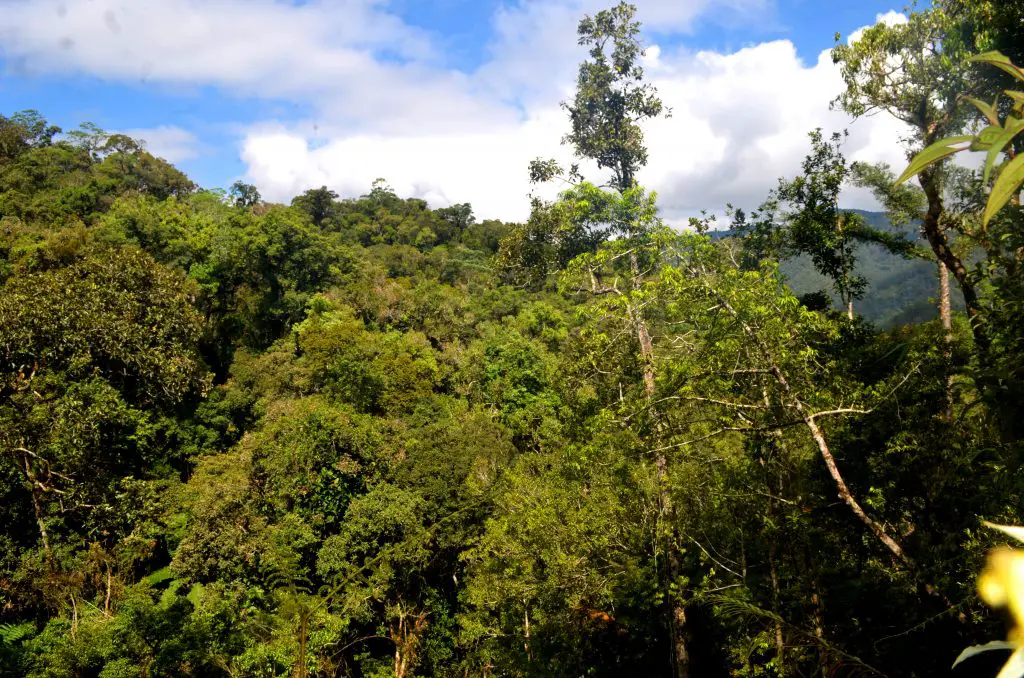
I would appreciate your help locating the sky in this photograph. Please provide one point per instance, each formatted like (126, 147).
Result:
(447, 100)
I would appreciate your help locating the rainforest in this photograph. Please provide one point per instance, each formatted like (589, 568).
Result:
(372, 436)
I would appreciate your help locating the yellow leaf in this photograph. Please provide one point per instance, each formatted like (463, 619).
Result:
(1010, 530)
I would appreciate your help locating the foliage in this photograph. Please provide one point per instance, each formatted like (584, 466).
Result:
(361, 436)
(993, 140)
(814, 226)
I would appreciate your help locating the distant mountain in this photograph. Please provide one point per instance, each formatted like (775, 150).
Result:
(899, 291)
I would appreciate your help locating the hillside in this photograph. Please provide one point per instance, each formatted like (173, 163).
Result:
(900, 291)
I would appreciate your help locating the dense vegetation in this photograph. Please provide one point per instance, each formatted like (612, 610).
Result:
(367, 437)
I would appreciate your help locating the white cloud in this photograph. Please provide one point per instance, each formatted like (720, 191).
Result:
(890, 18)
(487, 168)
(739, 122)
(256, 43)
(382, 106)
(321, 51)
(171, 143)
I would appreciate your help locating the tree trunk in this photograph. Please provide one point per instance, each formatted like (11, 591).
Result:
(106, 600)
(936, 236)
(74, 616)
(37, 507)
(300, 666)
(843, 490)
(847, 296)
(780, 641)
(398, 637)
(946, 315)
(642, 334)
(819, 625)
(677, 620)
(526, 635)
(816, 435)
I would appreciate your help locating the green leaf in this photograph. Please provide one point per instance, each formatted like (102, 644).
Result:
(988, 110)
(11, 634)
(931, 155)
(1013, 127)
(161, 575)
(990, 134)
(195, 594)
(1007, 185)
(1000, 61)
(987, 647)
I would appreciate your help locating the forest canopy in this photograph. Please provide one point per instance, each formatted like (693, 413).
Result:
(367, 436)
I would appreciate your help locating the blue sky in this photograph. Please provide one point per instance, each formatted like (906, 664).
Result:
(434, 92)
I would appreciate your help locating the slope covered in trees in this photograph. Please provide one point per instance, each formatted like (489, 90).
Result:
(368, 437)
(900, 290)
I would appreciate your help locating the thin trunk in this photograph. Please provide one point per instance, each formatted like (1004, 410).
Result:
(526, 635)
(773, 549)
(932, 227)
(37, 507)
(848, 294)
(677, 621)
(817, 436)
(819, 624)
(106, 601)
(399, 663)
(841, 487)
(946, 315)
(300, 666)
(780, 641)
(643, 335)
(74, 616)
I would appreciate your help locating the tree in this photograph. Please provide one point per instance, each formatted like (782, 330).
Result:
(459, 217)
(23, 131)
(611, 100)
(244, 195)
(906, 71)
(318, 203)
(997, 230)
(97, 352)
(815, 225)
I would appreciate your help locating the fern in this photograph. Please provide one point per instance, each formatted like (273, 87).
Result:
(12, 634)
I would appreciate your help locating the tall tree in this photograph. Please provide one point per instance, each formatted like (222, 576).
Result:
(906, 71)
(610, 102)
(318, 203)
(814, 225)
(244, 195)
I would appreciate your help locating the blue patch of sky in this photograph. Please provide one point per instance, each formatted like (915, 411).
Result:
(215, 117)
(462, 29)
(810, 25)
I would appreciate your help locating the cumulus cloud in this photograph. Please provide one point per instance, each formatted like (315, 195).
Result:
(383, 105)
(739, 121)
(171, 143)
(487, 168)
